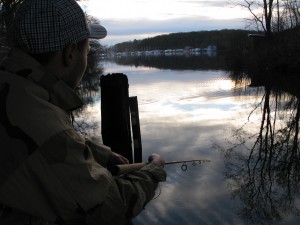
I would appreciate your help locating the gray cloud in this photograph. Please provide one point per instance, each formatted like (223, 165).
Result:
(121, 30)
(211, 3)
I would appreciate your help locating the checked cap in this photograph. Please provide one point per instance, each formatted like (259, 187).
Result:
(49, 25)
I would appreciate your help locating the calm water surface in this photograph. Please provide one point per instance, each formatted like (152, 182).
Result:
(190, 114)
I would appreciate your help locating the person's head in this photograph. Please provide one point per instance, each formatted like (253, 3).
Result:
(55, 33)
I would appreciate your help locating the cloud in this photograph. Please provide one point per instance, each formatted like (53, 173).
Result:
(126, 30)
(138, 19)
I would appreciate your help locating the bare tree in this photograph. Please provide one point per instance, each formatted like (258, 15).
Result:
(262, 12)
(291, 13)
(7, 12)
(273, 15)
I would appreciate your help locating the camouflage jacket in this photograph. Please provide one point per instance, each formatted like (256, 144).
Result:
(49, 172)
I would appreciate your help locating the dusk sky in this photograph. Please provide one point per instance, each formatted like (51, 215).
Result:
(126, 20)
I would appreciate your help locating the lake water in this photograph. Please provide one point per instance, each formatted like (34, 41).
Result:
(199, 114)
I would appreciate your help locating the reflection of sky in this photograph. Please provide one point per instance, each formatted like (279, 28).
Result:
(182, 114)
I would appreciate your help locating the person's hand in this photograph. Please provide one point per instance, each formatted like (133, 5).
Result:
(116, 159)
(157, 159)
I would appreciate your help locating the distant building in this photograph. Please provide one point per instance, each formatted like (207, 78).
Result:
(256, 40)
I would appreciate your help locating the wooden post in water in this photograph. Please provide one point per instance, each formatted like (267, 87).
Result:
(136, 132)
(115, 119)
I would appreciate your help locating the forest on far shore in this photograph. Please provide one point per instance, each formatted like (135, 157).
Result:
(222, 39)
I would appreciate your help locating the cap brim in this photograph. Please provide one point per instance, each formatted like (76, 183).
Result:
(97, 31)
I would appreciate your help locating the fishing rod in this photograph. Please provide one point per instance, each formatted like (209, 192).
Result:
(126, 168)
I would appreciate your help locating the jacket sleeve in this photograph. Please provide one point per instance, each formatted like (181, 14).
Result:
(127, 196)
(96, 194)
(101, 153)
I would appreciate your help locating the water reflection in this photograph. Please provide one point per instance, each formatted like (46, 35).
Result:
(174, 62)
(86, 121)
(263, 166)
(183, 113)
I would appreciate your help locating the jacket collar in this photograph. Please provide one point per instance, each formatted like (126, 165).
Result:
(19, 62)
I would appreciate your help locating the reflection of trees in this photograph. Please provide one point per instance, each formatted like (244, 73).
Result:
(88, 90)
(175, 62)
(264, 167)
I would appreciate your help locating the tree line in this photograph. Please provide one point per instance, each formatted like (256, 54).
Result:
(223, 39)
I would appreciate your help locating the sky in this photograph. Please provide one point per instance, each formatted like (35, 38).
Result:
(126, 20)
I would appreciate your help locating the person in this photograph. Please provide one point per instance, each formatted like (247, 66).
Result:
(49, 174)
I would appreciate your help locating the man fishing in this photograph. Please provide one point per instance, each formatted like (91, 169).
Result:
(49, 174)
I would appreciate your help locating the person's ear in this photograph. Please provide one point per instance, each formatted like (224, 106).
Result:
(69, 54)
